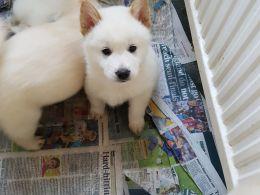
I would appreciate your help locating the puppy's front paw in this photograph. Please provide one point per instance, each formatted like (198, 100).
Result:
(136, 126)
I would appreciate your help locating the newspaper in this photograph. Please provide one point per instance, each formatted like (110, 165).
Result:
(155, 180)
(179, 92)
(81, 172)
(143, 159)
(167, 29)
(190, 156)
(177, 110)
(5, 4)
(146, 156)
(200, 140)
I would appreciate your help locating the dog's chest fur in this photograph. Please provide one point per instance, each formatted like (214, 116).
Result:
(114, 93)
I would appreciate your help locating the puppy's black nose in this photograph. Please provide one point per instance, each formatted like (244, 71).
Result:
(123, 74)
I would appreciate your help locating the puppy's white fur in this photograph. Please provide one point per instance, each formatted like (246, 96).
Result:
(117, 30)
(28, 13)
(39, 66)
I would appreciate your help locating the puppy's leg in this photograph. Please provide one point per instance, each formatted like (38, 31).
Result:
(97, 107)
(21, 126)
(137, 107)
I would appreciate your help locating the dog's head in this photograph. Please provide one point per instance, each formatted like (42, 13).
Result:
(117, 38)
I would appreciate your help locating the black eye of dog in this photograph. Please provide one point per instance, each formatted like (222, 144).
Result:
(106, 51)
(132, 48)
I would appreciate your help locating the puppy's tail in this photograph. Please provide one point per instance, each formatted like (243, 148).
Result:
(3, 33)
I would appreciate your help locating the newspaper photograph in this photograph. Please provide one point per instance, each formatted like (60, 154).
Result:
(68, 125)
(90, 171)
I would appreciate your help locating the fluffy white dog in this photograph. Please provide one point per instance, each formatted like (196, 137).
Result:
(27, 13)
(39, 66)
(120, 62)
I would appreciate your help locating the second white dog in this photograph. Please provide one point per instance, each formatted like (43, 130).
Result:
(40, 66)
(121, 64)
(27, 13)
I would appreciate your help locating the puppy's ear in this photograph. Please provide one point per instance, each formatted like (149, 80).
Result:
(89, 16)
(141, 11)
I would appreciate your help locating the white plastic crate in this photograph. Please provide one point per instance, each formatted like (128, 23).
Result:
(226, 37)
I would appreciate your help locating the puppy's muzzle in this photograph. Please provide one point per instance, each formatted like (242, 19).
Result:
(123, 74)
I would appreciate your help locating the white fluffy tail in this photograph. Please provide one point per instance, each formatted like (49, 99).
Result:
(3, 31)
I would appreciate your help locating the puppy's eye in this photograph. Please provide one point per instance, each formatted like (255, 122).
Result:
(132, 48)
(106, 51)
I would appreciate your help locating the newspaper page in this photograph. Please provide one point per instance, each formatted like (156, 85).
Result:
(155, 180)
(187, 184)
(143, 160)
(176, 93)
(179, 92)
(200, 140)
(189, 154)
(147, 156)
(87, 171)
(167, 29)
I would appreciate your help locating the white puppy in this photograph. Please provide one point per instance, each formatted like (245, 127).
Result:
(120, 62)
(40, 66)
(26, 13)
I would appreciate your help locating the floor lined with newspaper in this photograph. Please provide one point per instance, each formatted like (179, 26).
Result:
(174, 155)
